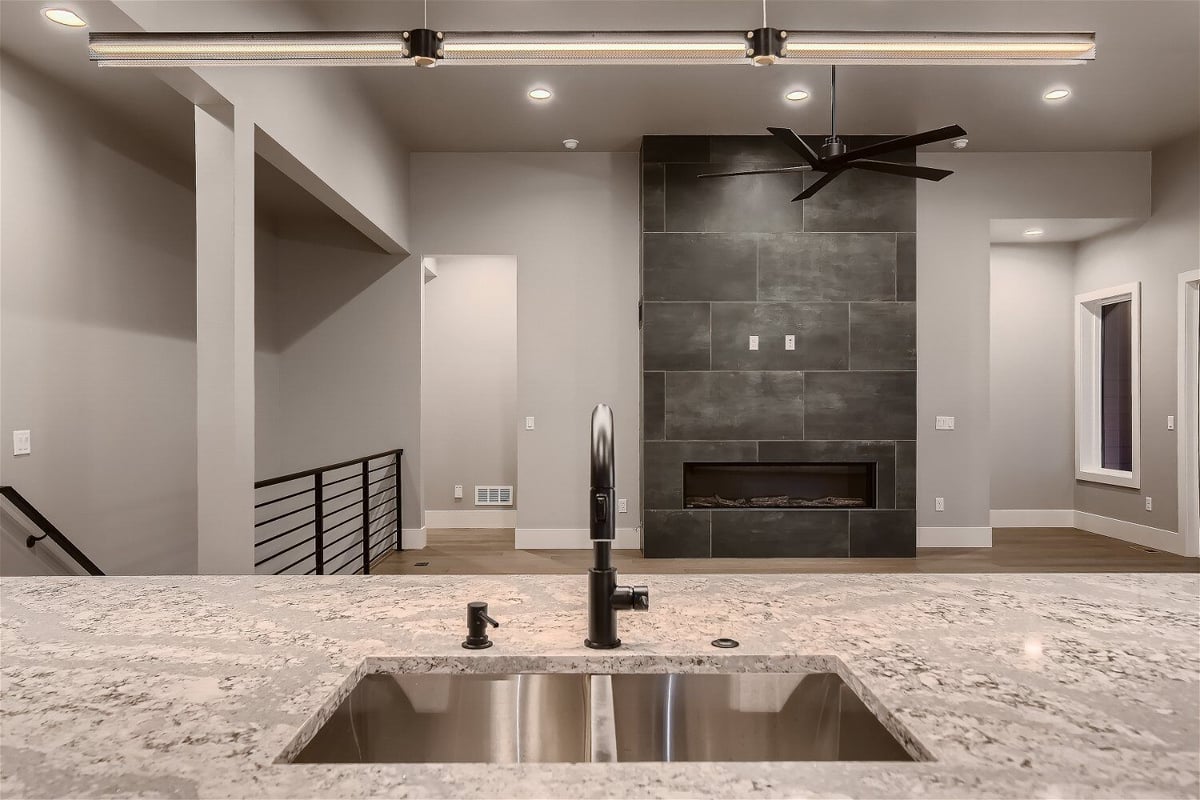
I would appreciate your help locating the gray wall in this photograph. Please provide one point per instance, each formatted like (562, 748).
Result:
(469, 379)
(571, 221)
(724, 260)
(1032, 383)
(953, 251)
(98, 328)
(1153, 252)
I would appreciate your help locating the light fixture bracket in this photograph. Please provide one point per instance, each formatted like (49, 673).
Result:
(765, 46)
(425, 46)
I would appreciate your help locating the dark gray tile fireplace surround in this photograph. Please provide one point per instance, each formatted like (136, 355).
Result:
(723, 259)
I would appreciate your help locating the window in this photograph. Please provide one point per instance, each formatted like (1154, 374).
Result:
(1107, 386)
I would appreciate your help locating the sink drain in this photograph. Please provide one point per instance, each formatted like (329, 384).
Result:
(725, 643)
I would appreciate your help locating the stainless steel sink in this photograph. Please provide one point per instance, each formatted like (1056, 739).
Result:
(746, 717)
(457, 718)
(410, 718)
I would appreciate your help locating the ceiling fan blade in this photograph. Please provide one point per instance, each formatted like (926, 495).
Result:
(899, 143)
(820, 184)
(755, 172)
(789, 137)
(907, 170)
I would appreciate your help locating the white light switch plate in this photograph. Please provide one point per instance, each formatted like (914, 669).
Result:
(944, 423)
(622, 506)
(789, 342)
(529, 423)
(458, 491)
(939, 504)
(1170, 422)
(21, 446)
(753, 342)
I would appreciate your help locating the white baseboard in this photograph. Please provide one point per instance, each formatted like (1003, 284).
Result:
(573, 539)
(413, 538)
(954, 537)
(1144, 535)
(471, 518)
(1033, 518)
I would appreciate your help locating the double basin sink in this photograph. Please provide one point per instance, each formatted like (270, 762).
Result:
(540, 718)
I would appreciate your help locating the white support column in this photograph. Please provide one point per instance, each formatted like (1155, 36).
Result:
(224, 341)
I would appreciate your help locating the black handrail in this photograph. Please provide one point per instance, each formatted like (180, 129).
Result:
(48, 530)
(311, 491)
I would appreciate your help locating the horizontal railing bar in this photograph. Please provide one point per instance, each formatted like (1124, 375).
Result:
(383, 521)
(330, 559)
(351, 504)
(285, 497)
(341, 567)
(380, 492)
(381, 466)
(284, 550)
(342, 494)
(343, 538)
(341, 480)
(327, 468)
(380, 505)
(310, 572)
(285, 533)
(285, 514)
(294, 563)
(343, 522)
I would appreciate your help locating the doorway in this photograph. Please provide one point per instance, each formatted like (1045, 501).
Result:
(1188, 409)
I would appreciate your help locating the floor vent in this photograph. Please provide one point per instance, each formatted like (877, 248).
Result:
(493, 495)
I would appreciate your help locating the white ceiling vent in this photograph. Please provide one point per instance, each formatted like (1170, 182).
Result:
(493, 495)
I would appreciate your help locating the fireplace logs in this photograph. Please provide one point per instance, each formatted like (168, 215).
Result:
(778, 501)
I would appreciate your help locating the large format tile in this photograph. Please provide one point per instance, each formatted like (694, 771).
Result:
(662, 466)
(883, 533)
(735, 405)
(821, 331)
(906, 474)
(858, 200)
(780, 534)
(675, 148)
(744, 203)
(675, 336)
(883, 336)
(827, 266)
(676, 534)
(652, 405)
(882, 453)
(653, 197)
(698, 266)
(906, 266)
(856, 405)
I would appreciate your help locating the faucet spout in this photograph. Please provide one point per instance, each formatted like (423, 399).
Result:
(605, 597)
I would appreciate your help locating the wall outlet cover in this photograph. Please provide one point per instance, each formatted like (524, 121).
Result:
(1149, 504)
(622, 506)
(939, 504)
(943, 423)
(753, 342)
(21, 445)
(789, 342)
(529, 423)
(458, 491)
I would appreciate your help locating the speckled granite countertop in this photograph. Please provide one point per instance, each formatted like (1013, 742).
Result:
(1018, 685)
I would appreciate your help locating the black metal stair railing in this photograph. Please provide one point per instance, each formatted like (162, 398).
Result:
(306, 521)
(48, 530)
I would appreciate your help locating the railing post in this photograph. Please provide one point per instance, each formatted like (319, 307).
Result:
(399, 505)
(319, 540)
(366, 520)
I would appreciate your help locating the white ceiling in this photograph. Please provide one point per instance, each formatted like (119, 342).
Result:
(1143, 89)
(1012, 231)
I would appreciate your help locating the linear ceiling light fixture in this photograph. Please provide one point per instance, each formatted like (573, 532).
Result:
(425, 47)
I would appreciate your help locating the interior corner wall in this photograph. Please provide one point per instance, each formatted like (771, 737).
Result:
(469, 380)
(953, 275)
(337, 363)
(1032, 380)
(98, 330)
(571, 221)
(1153, 252)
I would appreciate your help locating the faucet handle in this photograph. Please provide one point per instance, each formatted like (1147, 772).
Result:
(631, 598)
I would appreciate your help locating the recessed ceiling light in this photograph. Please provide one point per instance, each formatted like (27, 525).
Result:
(64, 17)
(1057, 94)
(540, 94)
(959, 144)
(796, 95)
(1031, 232)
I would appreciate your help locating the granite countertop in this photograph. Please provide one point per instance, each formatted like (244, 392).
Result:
(1017, 685)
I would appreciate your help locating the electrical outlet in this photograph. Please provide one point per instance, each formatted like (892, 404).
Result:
(529, 423)
(753, 342)
(622, 506)
(458, 494)
(939, 504)
(1149, 504)
(943, 423)
(789, 342)
(1170, 422)
(21, 446)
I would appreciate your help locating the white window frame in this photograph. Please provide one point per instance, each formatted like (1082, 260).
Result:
(1087, 385)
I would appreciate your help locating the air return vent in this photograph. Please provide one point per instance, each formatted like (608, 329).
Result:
(493, 495)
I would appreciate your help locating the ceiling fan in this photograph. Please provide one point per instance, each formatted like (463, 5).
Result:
(834, 158)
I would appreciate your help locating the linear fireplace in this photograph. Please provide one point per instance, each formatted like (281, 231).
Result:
(797, 486)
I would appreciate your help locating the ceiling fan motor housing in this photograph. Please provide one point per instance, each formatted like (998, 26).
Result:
(425, 46)
(832, 147)
(766, 45)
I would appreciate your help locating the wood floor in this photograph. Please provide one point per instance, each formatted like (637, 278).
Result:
(491, 552)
